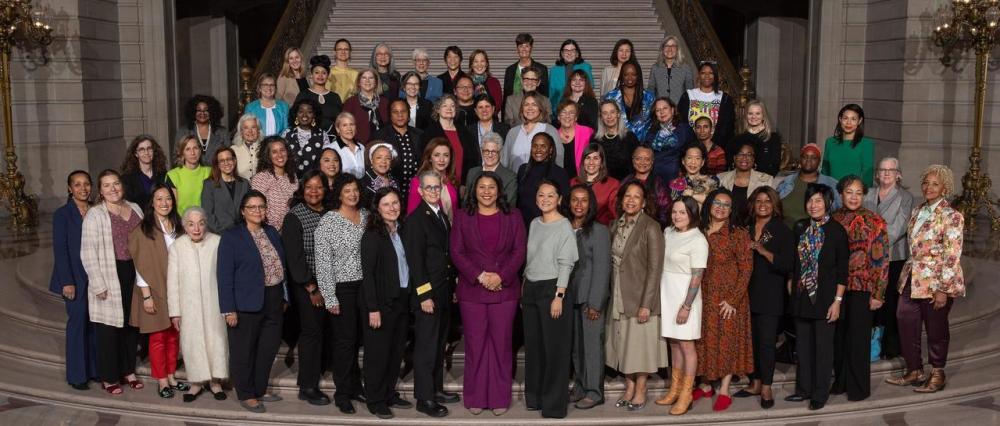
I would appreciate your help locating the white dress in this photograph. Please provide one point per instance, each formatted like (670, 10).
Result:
(193, 295)
(683, 252)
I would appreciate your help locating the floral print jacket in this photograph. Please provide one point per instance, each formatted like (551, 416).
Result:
(935, 253)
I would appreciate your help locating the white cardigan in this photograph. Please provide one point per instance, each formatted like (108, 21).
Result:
(193, 296)
(97, 253)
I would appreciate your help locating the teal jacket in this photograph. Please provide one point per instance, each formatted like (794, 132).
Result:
(557, 81)
(280, 116)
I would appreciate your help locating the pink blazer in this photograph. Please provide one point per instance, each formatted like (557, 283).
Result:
(581, 140)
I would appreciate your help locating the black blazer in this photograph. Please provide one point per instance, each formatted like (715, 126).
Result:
(833, 259)
(508, 79)
(424, 109)
(427, 243)
(471, 156)
(447, 83)
(499, 127)
(380, 286)
(135, 192)
(767, 282)
(388, 134)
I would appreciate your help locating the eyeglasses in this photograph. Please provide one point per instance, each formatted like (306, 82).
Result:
(567, 112)
(745, 154)
(258, 208)
(431, 188)
(226, 160)
(887, 170)
(144, 149)
(490, 152)
(201, 110)
(721, 204)
(569, 49)
(463, 87)
(530, 79)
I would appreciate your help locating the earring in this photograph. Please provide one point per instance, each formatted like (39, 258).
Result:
(296, 121)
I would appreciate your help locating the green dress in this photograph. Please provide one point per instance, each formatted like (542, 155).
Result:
(840, 159)
(188, 183)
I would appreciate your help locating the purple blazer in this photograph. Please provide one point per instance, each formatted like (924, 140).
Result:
(471, 258)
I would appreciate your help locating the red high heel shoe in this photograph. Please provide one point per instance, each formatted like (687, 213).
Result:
(134, 384)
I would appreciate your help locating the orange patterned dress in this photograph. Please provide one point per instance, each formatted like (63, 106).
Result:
(725, 347)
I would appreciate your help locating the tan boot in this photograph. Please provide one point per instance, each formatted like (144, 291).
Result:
(912, 378)
(935, 383)
(683, 402)
(675, 388)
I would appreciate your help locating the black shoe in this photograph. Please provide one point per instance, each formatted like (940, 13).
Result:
(743, 393)
(532, 408)
(837, 389)
(406, 369)
(190, 397)
(444, 397)
(796, 398)
(219, 396)
(360, 398)
(181, 386)
(80, 386)
(167, 392)
(813, 405)
(314, 396)
(432, 408)
(397, 401)
(381, 411)
(766, 403)
(345, 407)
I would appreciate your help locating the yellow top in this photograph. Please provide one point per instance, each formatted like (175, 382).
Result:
(342, 81)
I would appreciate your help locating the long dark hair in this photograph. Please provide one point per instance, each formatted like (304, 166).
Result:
(131, 164)
(216, 175)
(472, 205)
(619, 43)
(636, 107)
(706, 211)
(375, 221)
(691, 206)
(715, 74)
(838, 132)
(299, 195)
(215, 110)
(655, 126)
(339, 183)
(588, 219)
(149, 223)
(588, 89)
(579, 53)
(264, 163)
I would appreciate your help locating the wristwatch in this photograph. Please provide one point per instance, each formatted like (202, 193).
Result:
(838, 298)
(560, 295)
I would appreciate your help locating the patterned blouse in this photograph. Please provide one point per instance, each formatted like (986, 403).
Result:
(278, 190)
(120, 228)
(306, 146)
(868, 240)
(406, 164)
(687, 185)
(338, 253)
(274, 271)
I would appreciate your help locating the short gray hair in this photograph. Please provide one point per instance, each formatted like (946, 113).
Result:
(427, 173)
(192, 210)
(418, 52)
(494, 138)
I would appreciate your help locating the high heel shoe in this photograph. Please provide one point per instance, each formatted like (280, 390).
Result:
(134, 384)
(675, 388)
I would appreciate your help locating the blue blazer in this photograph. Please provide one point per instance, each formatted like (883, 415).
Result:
(280, 115)
(240, 271)
(67, 226)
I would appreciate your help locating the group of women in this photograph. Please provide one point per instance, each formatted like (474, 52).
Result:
(664, 233)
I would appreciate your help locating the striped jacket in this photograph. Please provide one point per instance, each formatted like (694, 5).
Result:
(97, 252)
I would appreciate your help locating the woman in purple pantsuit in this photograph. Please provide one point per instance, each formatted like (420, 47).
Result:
(488, 246)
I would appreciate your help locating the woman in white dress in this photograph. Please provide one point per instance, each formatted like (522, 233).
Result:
(193, 304)
(684, 261)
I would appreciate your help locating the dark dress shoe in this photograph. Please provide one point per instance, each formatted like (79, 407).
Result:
(443, 397)
(345, 407)
(360, 398)
(796, 398)
(381, 411)
(432, 408)
(813, 405)
(397, 401)
(80, 386)
(314, 396)
(219, 396)
(191, 397)
(532, 408)
(766, 403)
(743, 393)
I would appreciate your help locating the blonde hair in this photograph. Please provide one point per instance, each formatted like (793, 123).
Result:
(543, 113)
(765, 134)
(286, 69)
(181, 145)
(378, 81)
(602, 130)
(944, 173)
(662, 60)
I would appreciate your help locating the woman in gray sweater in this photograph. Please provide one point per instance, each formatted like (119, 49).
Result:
(547, 332)
(671, 76)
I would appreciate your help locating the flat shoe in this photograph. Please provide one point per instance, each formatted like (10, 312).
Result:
(722, 403)
(621, 403)
(743, 393)
(795, 398)
(259, 408)
(476, 411)
(167, 392)
(181, 386)
(270, 397)
(190, 397)
(219, 396)
(80, 386)
(766, 403)
(499, 411)
(635, 407)
(587, 403)
(134, 384)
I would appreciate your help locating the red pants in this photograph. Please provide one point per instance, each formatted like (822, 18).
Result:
(163, 352)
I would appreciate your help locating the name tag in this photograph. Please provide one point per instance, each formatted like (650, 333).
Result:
(423, 289)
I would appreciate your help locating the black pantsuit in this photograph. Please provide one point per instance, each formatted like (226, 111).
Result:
(886, 315)
(852, 338)
(253, 344)
(384, 351)
(346, 329)
(814, 344)
(116, 347)
(430, 332)
(764, 330)
(547, 346)
(312, 320)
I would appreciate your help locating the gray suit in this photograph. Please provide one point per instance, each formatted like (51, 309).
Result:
(221, 209)
(895, 209)
(589, 286)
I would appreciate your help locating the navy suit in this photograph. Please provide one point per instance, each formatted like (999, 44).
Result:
(254, 341)
(67, 226)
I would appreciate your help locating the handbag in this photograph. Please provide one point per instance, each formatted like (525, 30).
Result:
(876, 345)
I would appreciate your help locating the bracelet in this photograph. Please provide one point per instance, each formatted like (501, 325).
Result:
(686, 307)
(147, 297)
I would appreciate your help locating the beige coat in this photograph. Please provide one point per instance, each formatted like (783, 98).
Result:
(193, 296)
(757, 180)
(97, 253)
(150, 257)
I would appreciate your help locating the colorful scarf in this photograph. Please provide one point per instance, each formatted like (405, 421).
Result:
(810, 244)
(664, 138)
(479, 83)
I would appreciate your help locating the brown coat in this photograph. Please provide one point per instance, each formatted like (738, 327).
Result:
(642, 266)
(150, 258)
